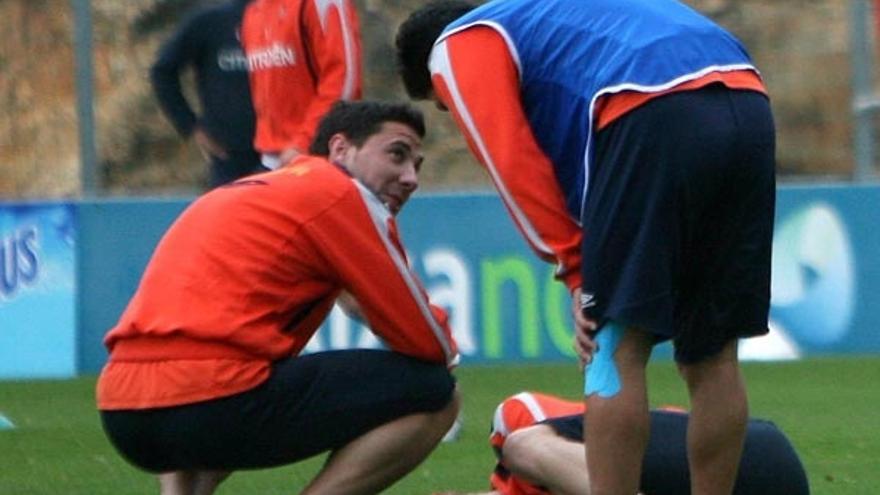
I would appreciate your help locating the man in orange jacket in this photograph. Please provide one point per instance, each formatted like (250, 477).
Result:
(205, 375)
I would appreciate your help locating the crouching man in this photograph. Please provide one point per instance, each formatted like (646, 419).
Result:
(205, 375)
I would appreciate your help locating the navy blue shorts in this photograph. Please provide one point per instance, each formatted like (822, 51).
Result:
(678, 223)
(769, 464)
(310, 404)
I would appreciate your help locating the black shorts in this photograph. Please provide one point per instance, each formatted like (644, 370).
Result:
(678, 223)
(310, 404)
(769, 464)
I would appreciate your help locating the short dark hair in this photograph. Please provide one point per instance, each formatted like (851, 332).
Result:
(416, 37)
(358, 120)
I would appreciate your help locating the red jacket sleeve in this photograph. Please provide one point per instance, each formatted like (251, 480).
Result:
(475, 77)
(332, 41)
(303, 55)
(358, 241)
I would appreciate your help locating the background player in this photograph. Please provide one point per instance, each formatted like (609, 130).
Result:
(208, 41)
(303, 55)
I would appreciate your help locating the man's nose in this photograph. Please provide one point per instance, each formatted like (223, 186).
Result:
(409, 177)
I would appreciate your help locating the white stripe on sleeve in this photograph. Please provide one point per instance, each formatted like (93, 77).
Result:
(380, 215)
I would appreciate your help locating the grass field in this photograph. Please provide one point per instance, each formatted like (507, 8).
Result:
(828, 407)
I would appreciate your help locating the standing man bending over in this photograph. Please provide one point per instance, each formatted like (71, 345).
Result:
(632, 142)
(204, 375)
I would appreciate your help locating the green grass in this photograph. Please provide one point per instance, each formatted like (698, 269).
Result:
(828, 407)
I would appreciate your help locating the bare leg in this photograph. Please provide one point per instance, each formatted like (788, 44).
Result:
(176, 483)
(190, 482)
(382, 456)
(541, 457)
(208, 481)
(717, 425)
(616, 428)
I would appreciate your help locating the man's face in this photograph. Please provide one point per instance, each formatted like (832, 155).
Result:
(387, 163)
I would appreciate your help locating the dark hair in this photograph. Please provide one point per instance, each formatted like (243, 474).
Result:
(358, 120)
(416, 37)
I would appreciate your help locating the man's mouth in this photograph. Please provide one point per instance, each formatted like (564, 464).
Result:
(393, 202)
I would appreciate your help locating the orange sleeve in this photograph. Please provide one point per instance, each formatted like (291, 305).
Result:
(362, 252)
(515, 413)
(332, 42)
(475, 77)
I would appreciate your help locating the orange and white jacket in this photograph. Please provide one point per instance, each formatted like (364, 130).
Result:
(246, 275)
(521, 411)
(514, 413)
(303, 55)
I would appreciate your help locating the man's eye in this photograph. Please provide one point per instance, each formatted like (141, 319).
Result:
(398, 155)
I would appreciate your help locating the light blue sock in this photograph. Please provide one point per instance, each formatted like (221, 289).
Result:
(601, 375)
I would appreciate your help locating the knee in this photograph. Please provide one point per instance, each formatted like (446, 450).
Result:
(444, 417)
(724, 355)
(429, 388)
(439, 384)
(708, 381)
(453, 407)
(522, 450)
(720, 368)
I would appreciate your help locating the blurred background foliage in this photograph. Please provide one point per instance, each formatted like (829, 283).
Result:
(800, 46)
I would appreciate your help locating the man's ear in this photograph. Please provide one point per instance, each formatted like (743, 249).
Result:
(338, 146)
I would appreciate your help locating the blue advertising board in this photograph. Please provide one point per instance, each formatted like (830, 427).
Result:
(503, 302)
(37, 291)
(826, 269)
(505, 306)
(116, 239)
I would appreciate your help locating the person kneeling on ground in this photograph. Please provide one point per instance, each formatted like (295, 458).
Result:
(205, 375)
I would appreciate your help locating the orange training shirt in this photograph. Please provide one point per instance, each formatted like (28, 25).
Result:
(521, 411)
(303, 55)
(247, 274)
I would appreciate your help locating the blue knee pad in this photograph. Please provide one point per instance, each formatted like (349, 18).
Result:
(601, 375)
